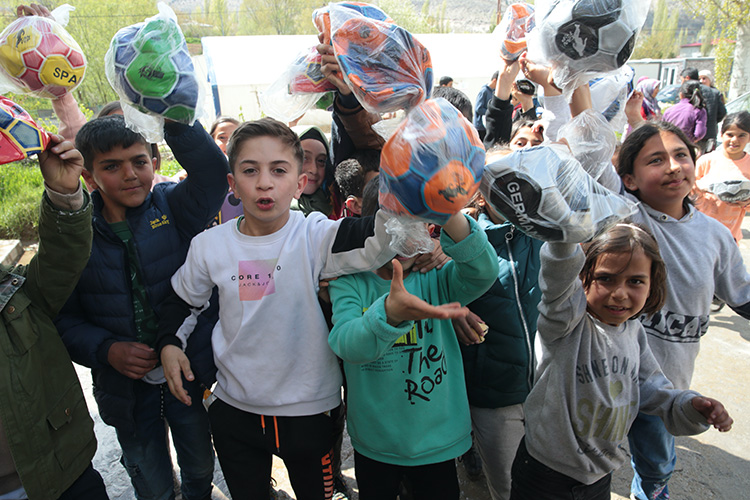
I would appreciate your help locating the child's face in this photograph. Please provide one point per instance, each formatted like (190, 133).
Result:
(620, 286)
(733, 141)
(663, 174)
(314, 164)
(266, 178)
(222, 134)
(123, 177)
(526, 138)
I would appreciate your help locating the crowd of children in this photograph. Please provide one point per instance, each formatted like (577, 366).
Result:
(301, 301)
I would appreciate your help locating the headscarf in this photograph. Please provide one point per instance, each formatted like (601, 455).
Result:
(650, 105)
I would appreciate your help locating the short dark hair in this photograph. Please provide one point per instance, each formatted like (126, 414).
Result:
(445, 80)
(525, 87)
(265, 127)
(627, 238)
(350, 173)
(370, 195)
(102, 135)
(690, 73)
(459, 100)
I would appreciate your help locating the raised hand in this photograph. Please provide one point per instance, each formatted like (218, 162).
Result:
(61, 165)
(402, 306)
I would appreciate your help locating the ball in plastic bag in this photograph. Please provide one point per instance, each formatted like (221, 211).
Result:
(546, 193)
(432, 165)
(595, 35)
(322, 16)
(42, 57)
(731, 191)
(20, 137)
(153, 67)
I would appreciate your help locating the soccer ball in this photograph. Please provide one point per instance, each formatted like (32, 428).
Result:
(322, 16)
(546, 193)
(590, 35)
(431, 166)
(730, 191)
(41, 57)
(21, 137)
(150, 67)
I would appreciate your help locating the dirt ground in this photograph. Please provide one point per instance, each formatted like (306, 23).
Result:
(712, 465)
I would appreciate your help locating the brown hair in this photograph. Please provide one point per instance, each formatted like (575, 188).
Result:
(627, 238)
(265, 127)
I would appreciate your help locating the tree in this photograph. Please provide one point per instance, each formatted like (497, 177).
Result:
(727, 20)
(662, 40)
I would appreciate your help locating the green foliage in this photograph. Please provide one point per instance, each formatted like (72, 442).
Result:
(21, 187)
(722, 19)
(662, 41)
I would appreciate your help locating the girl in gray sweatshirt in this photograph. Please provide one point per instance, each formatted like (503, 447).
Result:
(598, 371)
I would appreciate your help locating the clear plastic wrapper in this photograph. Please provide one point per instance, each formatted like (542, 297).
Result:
(290, 96)
(546, 193)
(322, 19)
(585, 39)
(20, 136)
(432, 165)
(610, 94)
(39, 57)
(592, 140)
(517, 22)
(149, 66)
(384, 65)
(409, 237)
(726, 187)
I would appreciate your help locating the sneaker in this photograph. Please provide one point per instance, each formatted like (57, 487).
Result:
(341, 490)
(472, 463)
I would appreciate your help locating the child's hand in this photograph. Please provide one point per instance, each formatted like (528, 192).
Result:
(469, 329)
(323, 292)
(176, 364)
(61, 165)
(714, 412)
(539, 74)
(402, 306)
(433, 260)
(330, 67)
(633, 109)
(132, 359)
(34, 9)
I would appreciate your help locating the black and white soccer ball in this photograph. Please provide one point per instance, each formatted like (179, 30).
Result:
(590, 35)
(545, 193)
(730, 191)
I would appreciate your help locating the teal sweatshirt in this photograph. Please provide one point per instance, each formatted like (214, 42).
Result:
(407, 401)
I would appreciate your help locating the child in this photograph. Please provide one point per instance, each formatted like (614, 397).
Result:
(731, 162)
(598, 370)
(657, 166)
(352, 175)
(221, 130)
(690, 113)
(408, 413)
(46, 434)
(110, 322)
(279, 384)
(319, 194)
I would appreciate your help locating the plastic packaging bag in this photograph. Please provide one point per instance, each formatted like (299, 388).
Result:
(544, 191)
(20, 137)
(432, 165)
(322, 19)
(39, 57)
(517, 22)
(592, 141)
(585, 39)
(149, 66)
(383, 64)
(726, 186)
(289, 97)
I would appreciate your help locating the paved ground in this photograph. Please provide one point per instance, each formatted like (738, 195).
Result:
(709, 466)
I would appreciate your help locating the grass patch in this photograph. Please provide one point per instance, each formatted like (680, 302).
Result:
(21, 188)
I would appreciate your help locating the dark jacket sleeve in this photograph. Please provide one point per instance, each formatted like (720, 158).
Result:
(173, 311)
(358, 122)
(499, 119)
(196, 200)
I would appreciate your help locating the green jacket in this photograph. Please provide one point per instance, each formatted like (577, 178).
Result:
(42, 408)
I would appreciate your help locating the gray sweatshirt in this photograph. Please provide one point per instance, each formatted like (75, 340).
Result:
(702, 260)
(593, 379)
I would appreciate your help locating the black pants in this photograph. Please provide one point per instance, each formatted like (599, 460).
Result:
(380, 481)
(245, 444)
(532, 480)
(89, 485)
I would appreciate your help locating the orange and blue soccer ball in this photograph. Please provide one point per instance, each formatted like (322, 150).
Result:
(41, 57)
(432, 165)
(20, 137)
